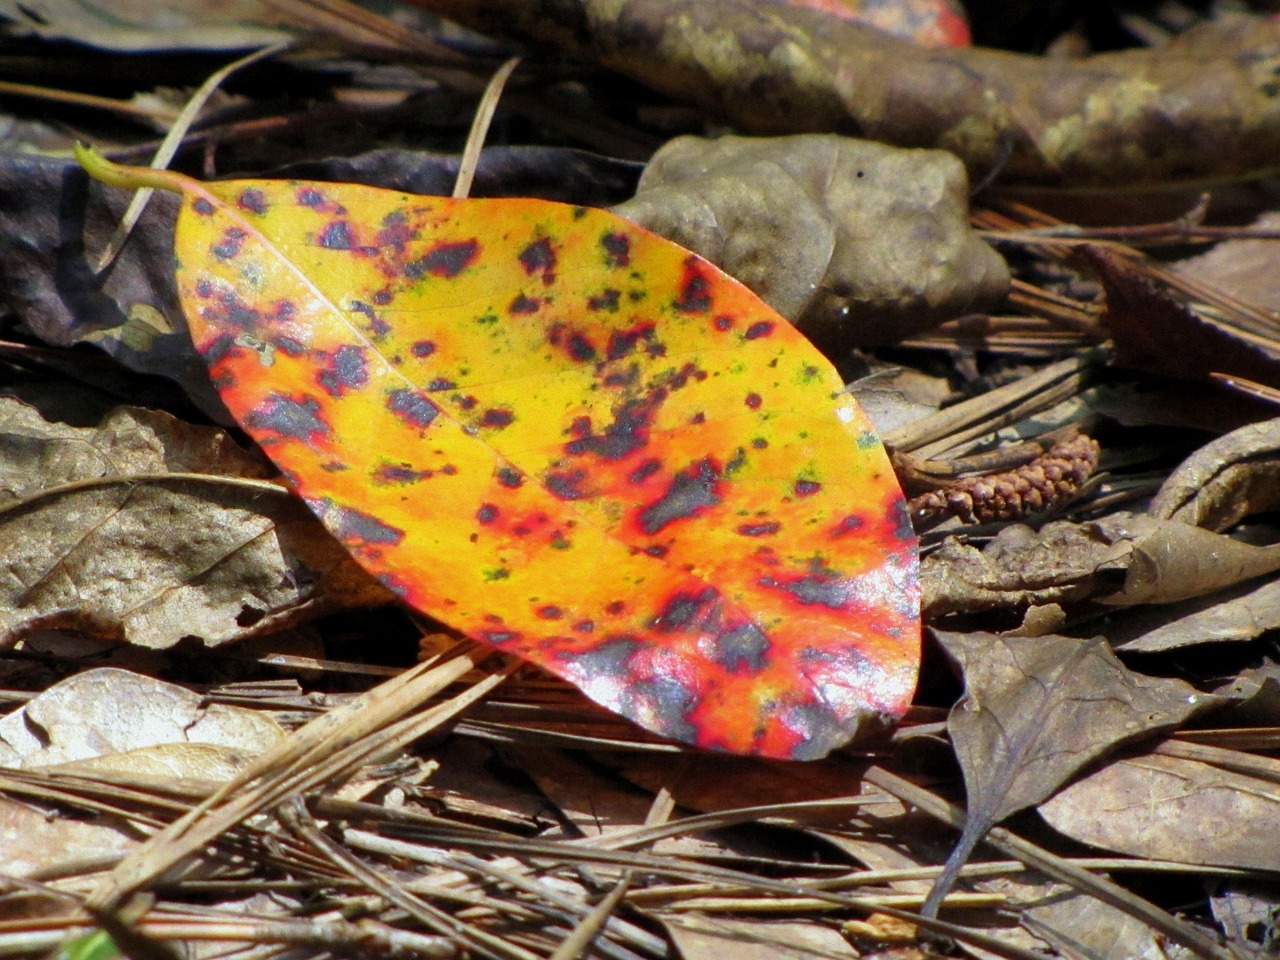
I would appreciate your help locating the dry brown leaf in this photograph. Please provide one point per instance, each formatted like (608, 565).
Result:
(1036, 710)
(110, 711)
(855, 241)
(1249, 914)
(1237, 614)
(1246, 269)
(1148, 559)
(1170, 808)
(1169, 561)
(1226, 480)
(1153, 331)
(1202, 105)
(146, 529)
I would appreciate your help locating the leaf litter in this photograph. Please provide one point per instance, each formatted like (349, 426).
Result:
(524, 824)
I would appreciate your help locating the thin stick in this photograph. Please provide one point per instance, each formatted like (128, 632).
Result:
(480, 129)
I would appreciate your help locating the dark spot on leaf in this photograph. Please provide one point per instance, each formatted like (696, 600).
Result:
(422, 348)
(765, 529)
(723, 323)
(759, 443)
(441, 383)
(849, 524)
(288, 416)
(580, 348)
(202, 206)
(253, 200)
(623, 342)
(230, 243)
(498, 637)
(550, 612)
(487, 513)
(356, 526)
(806, 488)
(608, 301)
(628, 432)
(204, 288)
(741, 648)
(698, 417)
(412, 406)
(753, 401)
(346, 370)
(617, 249)
(510, 477)
(691, 492)
(538, 257)
(445, 259)
(310, 197)
(497, 418)
(337, 236)
(647, 469)
(218, 347)
(398, 474)
(615, 607)
(657, 550)
(817, 589)
(585, 626)
(695, 291)
(382, 297)
(395, 230)
(523, 304)
(567, 484)
(683, 610)
(761, 328)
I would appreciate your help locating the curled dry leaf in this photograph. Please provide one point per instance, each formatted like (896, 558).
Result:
(1172, 808)
(1035, 711)
(855, 241)
(145, 529)
(1226, 480)
(1123, 559)
(1134, 116)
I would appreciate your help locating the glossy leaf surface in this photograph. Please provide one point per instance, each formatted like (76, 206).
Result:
(570, 439)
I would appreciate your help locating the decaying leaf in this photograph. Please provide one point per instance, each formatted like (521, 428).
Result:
(1152, 331)
(1201, 105)
(140, 25)
(571, 439)
(1172, 808)
(1036, 710)
(1235, 614)
(113, 720)
(855, 241)
(1122, 559)
(109, 711)
(931, 23)
(1226, 480)
(149, 530)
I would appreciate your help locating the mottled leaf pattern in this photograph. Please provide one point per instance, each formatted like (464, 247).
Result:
(568, 438)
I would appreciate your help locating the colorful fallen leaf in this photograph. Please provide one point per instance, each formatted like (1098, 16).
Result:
(570, 439)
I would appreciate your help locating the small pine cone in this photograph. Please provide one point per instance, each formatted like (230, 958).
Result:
(1047, 480)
